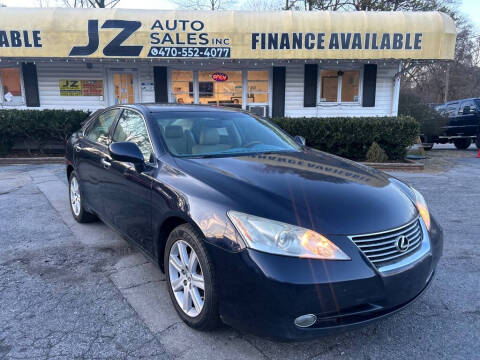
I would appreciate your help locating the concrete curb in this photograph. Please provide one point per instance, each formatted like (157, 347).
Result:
(37, 160)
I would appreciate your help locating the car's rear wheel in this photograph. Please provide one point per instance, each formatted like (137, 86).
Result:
(191, 278)
(76, 201)
(462, 143)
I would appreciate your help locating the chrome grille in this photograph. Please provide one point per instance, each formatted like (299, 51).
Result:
(381, 248)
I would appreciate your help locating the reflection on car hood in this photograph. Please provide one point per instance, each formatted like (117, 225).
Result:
(309, 188)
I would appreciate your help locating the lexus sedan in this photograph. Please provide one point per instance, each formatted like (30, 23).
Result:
(251, 227)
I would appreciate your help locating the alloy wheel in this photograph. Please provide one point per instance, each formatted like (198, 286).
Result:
(75, 199)
(186, 278)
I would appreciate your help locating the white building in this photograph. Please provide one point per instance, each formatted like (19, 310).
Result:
(312, 64)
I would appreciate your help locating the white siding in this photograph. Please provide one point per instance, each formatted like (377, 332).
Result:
(383, 97)
(49, 75)
(146, 76)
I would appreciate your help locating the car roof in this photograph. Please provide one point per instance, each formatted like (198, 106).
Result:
(456, 101)
(153, 107)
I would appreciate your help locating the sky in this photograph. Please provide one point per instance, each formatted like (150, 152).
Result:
(129, 4)
(470, 8)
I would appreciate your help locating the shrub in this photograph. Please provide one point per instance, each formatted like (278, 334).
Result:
(37, 126)
(351, 137)
(432, 123)
(347, 137)
(376, 154)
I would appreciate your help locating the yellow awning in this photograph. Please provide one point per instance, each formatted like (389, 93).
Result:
(118, 33)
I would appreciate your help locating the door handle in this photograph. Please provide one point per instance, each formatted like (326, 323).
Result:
(77, 148)
(106, 164)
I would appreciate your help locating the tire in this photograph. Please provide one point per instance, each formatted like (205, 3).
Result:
(427, 147)
(201, 316)
(76, 203)
(477, 141)
(462, 143)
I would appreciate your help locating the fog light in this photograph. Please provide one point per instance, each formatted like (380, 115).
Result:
(305, 320)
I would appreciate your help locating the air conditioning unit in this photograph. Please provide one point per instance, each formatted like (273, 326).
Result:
(260, 110)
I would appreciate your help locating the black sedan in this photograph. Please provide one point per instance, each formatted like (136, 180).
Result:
(250, 226)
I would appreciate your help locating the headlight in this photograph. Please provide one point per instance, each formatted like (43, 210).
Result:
(284, 239)
(422, 208)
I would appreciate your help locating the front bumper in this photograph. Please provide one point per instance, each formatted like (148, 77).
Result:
(263, 293)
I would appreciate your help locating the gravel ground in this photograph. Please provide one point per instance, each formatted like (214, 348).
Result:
(79, 291)
(444, 156)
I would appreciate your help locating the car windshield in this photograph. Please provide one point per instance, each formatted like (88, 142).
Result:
(219, 133)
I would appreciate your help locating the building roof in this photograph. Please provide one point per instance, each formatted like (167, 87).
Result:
(229, 35)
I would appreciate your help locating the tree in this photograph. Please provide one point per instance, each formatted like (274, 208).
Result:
(438, 82)
(204, 4)
(398, 5)
(262, 5)
(46, 3)
(370, 5)
(91, 3)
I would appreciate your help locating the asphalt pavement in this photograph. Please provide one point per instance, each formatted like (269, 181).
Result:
(80, 291)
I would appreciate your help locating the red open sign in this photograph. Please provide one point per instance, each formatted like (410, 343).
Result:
(219, 76)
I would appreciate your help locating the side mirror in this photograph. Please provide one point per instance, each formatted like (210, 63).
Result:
(466, 110)
(126, 151)
(300, 140)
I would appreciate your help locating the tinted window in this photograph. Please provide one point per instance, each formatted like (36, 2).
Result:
(99, 129)
(451, 109)
(131, 127)
(209, 133)
(469, 103)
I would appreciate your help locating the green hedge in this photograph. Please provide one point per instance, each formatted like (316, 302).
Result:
(432, 123)
(352, 137)
(347, 137)
(37, 126)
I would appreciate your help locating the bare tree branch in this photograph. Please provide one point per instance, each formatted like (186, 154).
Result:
(205, 4)
(90, 3)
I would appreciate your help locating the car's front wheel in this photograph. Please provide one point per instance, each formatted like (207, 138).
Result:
(76, 201)
(477, 141)
(191, 278)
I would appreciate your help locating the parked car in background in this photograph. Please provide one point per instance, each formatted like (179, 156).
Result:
(462, 128)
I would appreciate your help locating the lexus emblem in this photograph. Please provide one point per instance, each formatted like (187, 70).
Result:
(403, 243)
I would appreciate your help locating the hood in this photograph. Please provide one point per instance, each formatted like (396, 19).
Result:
(310, 188)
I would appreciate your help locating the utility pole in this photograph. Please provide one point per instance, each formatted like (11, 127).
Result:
(445, 96)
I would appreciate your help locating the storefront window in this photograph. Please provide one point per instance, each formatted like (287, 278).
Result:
(220, 88)
(350, 81)
(11, 88)
(258, 87)
(334, 80)
(329, 91)
(182, 86)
